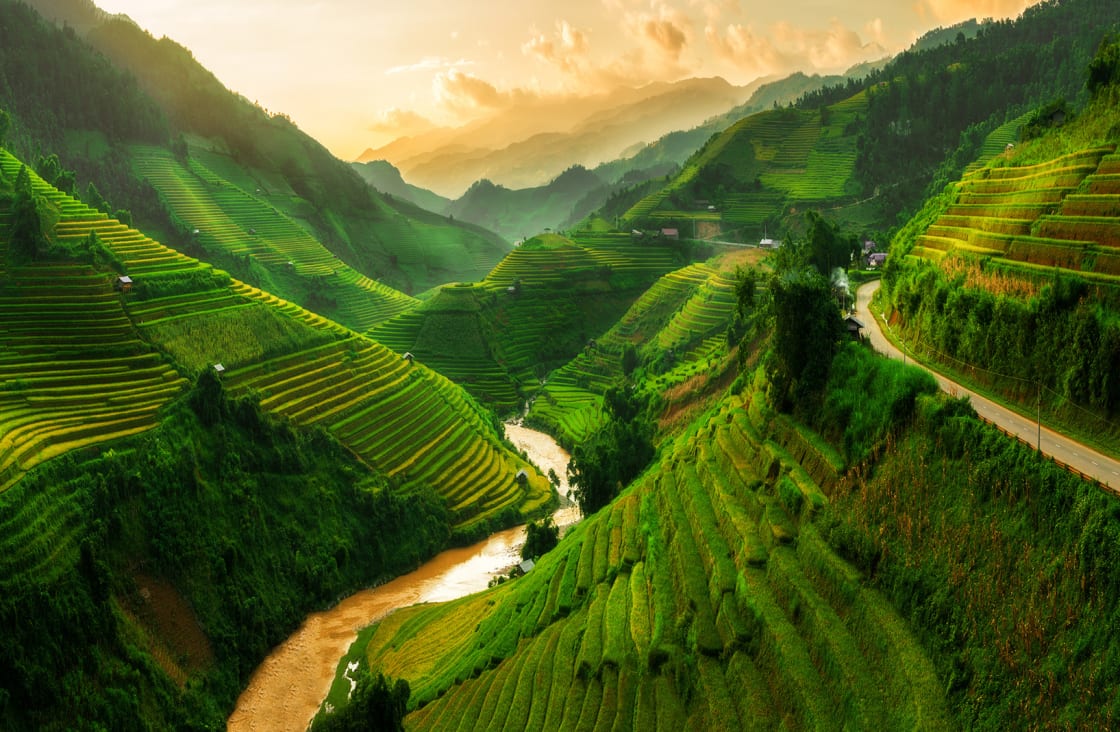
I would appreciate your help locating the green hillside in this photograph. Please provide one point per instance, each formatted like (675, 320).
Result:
(518, 214)
(382, 175)
(400, 417)
(247, 231)
(168, 107)
(535, 310)
(744, 179)
(752, 579)
(1011, 274)
(674, 333)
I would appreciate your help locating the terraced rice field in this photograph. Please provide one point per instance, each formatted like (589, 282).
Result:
(238, 223)
(685, 312)
(492, 340)
(798, 156)
(702, 598)
(73, 371)
(1063, 213)
(78, 368)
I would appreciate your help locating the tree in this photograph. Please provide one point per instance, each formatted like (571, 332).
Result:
(807, 334)
(375, 704)
(630, 359)
(746, 284)
(601, 466)
(826, 249)
(26, 231)
(5, 126)
(94, 199)
(540, 537)
(1104, 69)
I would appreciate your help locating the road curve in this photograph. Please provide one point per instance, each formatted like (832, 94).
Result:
(1081, 458)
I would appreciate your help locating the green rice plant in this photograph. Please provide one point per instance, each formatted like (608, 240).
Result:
(591, 642)
(718, 710)
(585, 577)
(590, 705)
(566, 593)
(855, 695)
(543, 685)
(618, 648)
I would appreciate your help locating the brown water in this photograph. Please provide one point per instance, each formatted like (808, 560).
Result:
(288, 687)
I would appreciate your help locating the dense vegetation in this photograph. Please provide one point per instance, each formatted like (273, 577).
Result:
(544, 302)
(158, 573)
(1011, 278)
(824, 543)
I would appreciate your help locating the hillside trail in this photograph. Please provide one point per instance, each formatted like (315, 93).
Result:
(1054, 445)
(288, 687)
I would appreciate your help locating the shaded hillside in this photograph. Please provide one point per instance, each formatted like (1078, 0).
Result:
(164, 96)
(400, 417)
(1022, 256)
(382, 175)
(169, 563)
(541, 142)
(536, 309)
(755, 578)
(519, 214)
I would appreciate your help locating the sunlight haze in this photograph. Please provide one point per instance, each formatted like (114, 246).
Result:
(356, 75)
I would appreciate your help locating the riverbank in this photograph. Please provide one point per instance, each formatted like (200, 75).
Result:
(287, 689)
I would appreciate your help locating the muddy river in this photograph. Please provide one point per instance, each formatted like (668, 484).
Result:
(287, 688)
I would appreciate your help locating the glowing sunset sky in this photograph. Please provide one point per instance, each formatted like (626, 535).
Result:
(355, 73)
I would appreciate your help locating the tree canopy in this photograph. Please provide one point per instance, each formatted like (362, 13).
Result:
(616, 454)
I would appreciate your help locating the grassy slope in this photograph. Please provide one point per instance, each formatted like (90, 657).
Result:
(686, 312)
(402, 418)
(747, 581)
(1001, 238)
(143, 583)
(704, 596)
(497, 344)
(774, 160)
(244, 145)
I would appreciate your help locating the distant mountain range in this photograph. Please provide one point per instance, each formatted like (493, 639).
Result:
(576, 191)
(514, 149)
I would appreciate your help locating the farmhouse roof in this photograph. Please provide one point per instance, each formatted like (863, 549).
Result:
(526, 565)
(219, 368)
(124, 280)
(670, 232)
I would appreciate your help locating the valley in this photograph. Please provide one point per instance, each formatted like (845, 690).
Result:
(276, 428)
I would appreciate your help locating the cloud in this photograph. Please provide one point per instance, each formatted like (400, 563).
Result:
(396, 121)
(467, 95)
(654, 42)
(664, 32)
(429, 63)
(954, 11)
(567, 49)
(786, 48)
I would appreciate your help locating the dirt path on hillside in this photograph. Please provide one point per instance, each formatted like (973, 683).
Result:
(1080, 457)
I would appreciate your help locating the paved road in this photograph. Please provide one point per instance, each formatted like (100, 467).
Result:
(1081, 458)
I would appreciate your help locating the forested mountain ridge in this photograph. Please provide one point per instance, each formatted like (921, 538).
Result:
(867, 152)
(1010, 274)
(166, 98)
(290, 416)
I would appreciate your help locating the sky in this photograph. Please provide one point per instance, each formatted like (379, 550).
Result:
(359, 73)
